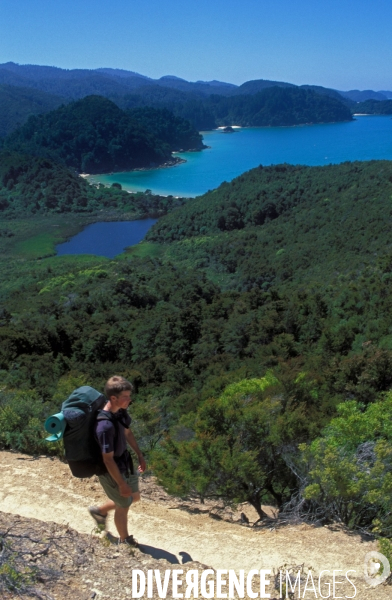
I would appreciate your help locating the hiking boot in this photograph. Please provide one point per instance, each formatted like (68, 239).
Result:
(130, 541)
(98, 518)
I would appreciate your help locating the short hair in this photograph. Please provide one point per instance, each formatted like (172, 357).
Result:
(117, 384)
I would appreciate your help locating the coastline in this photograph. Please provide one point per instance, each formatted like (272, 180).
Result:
(310, 124)
(170, 163)
(176, 160)
(266, 145)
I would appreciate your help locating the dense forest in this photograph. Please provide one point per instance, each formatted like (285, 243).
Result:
(176, 132)
(37, 186)
(33, 89)
(205, 104)
(273, 106)
(93, 135)
(78, 83)
(17, 104)
(255, 322)
(374, 107)
(284, 225)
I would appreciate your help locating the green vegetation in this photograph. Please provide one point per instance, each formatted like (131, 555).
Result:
(231, 448)
(255, 323)
(274, 106)
(38, 186)
(278, 106)
(284, 225)
(17, 104)
(176, 132)
(374, 107)
(40, 245)
(21, 417)
(348, 470)
(93, 135)
(204, 104)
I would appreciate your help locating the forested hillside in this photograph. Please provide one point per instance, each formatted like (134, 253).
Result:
(205, 104)
(37, 186)
(95, 136)
(285, 225)
(34, 89)
(18, 104)
(255, 323)
(176, 132)
(273, 106)
(374, 107)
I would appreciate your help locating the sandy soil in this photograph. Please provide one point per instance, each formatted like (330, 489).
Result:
(43, 489)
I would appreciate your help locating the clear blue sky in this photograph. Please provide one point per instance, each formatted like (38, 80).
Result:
(335, 43)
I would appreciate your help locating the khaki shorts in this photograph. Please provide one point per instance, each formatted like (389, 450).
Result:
(112, 491)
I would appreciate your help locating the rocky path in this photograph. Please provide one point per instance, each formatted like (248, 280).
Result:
(43, 489)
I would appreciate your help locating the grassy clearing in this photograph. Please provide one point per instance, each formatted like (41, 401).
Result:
(146, 249)
(38, 246)
(37, 237)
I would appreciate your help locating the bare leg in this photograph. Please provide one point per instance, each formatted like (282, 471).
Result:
(120, 514)
(121, 517)
(121, 521)
(105, 508)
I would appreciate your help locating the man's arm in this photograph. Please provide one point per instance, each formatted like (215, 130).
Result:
(114, 471)
(133, 443)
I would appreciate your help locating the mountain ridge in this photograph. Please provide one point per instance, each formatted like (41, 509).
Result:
(32, 72)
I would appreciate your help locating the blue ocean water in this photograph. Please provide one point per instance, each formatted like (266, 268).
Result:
(230, 155)
(107, 238)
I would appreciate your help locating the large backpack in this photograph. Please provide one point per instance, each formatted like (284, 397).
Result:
(80, 413)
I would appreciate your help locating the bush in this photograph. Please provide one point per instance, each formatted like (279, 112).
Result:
(385, 547)
(350, 467)
(22, 416)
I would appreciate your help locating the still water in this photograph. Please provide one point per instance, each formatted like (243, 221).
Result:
(106, 239)
(230, 155)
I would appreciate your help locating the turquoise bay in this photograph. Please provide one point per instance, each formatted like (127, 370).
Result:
(230, 155)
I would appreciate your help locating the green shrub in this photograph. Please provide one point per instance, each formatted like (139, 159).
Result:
(350, 466)
(22, 416)
(385, 547)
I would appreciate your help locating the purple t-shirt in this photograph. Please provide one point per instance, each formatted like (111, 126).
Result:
(106, 435)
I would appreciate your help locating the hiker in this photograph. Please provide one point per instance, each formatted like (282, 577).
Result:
(120, 483)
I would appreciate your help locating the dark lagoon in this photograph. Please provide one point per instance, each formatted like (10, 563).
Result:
(107, 238)
(229, 155)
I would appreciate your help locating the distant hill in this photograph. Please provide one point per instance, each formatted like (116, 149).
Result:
(374, 107)
(195, 101)
(362, 96)
(273, 106)
(176, 132)
(92, 135)
(276, 106)
(386, 93)
(17, 104)
(72, 84)
(328, 92)
(77, 83)
(258, 85)
(122, 73)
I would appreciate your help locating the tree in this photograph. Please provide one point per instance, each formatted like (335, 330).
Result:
(229, 449)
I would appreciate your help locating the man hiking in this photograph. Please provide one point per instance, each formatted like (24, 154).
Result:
(120, 483)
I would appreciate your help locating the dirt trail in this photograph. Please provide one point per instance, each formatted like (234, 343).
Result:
(43, 488)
